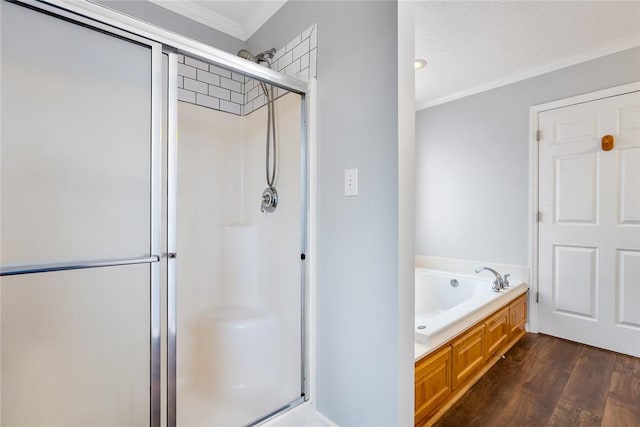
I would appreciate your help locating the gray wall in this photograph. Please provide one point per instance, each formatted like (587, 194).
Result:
(357, 252)
(472, 193)
(164, 18)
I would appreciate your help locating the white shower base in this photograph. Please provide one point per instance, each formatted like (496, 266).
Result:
(234, 380)
(243, 343)
(197, 410)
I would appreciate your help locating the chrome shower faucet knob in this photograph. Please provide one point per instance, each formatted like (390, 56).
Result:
(269, 200)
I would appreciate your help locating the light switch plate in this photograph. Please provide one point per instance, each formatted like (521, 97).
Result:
(351, 182)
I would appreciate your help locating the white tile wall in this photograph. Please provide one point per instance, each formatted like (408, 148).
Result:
(293, 43)
(186, 96)
(214, 87)
(301, 49)
(185, 70)
(207, 101)
(220, 92)
(285, 59)
(293, 68)
(230, 107)
(231, 84)
(196, 86)
(210, 86)
(238, 98)
(196, 63)
(207, 77)
(304, 61)
(297, 59)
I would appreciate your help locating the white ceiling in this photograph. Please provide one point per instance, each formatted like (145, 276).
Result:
(239, 18)
(470, 46)
(477, 45)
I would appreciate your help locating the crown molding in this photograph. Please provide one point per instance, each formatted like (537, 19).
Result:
(619, 46)
(194, 11)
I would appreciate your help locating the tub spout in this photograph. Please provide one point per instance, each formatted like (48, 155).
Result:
(498, 284)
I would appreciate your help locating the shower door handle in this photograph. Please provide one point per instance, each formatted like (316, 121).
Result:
(73, 265)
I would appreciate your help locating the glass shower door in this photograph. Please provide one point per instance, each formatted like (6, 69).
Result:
(79, 248)
(238, 274)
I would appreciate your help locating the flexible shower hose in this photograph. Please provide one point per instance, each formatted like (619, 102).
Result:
(271, 136)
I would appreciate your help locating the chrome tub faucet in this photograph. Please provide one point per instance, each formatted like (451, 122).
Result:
(500, 282)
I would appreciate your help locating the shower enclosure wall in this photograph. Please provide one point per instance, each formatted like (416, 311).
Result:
(238, 269)
(141, 284)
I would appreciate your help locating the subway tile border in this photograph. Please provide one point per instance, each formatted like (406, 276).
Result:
(209, 86)
(213, 87)
(298, 58)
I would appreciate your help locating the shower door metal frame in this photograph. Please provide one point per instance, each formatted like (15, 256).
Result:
(103, 19)
(153, 258)
(172, 148)
(172, 185)
(180, 43)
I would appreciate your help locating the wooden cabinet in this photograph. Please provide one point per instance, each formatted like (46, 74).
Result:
(517, 317)
(445, 375)
(433, 382)
(468, 353)
(498, 332)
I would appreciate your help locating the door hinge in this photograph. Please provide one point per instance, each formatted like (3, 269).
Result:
(538, 135)
(538, 216)
(537, 297)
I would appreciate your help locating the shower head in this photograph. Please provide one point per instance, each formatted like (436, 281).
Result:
(245, 54)
(267, 55)
(264, 57)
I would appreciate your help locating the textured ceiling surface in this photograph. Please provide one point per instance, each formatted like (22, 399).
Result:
(479, 44)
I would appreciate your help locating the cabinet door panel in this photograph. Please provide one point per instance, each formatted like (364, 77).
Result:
(468, 354)
(433, 382)
(497, 329)
(517, 316)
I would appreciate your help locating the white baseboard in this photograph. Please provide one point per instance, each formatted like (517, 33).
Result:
(323, 421)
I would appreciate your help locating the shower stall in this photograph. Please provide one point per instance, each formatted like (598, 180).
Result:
(152, 245)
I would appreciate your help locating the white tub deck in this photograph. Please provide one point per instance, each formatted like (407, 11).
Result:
(451, 314)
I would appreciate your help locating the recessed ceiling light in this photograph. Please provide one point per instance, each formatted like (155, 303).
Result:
(419, 63)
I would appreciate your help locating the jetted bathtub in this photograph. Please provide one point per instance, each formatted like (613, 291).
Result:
(448, 303)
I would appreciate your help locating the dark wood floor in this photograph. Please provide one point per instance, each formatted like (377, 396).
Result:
(547, 381)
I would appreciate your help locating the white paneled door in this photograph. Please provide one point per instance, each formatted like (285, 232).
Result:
(589, 230)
